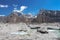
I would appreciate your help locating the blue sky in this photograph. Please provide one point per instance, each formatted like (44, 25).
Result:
(33, 6)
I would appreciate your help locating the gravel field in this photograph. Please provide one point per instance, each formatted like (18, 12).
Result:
(22, 31)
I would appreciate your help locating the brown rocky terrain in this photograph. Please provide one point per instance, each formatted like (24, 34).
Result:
(22, 31)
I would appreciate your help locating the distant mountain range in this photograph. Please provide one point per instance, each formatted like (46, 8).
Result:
(43, 16)
(48, 16)
(16, 17)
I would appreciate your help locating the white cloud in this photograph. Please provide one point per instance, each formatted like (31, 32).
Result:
(3, 6)
(22, 8)
(2, 15)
